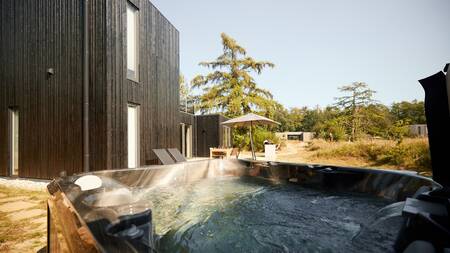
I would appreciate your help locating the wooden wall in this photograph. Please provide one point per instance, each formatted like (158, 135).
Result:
(97, 86)
(157, 91)
(209, 133)
(35, 36)
(190, 119)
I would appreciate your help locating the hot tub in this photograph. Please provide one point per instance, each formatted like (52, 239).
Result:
(238, 206)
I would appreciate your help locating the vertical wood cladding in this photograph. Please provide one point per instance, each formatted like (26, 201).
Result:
(157, 91)
(189, 119)
(97, 86)
(209, 133)
(38, 35)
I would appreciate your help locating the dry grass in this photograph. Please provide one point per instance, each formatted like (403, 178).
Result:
(410, 154)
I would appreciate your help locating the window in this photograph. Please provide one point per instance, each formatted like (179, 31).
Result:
(133, 136)
(226, 137)
(183, 138)
(14, 141)
(186, 140)
(132, 34)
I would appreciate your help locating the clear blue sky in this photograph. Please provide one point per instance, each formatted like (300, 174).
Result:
(319, 45)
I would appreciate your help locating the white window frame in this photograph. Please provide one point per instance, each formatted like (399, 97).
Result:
(183, 138)
(226, 136)
(133, 137)
(14, 141)
(132, 42)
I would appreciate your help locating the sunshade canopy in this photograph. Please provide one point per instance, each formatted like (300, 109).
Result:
(250, 119)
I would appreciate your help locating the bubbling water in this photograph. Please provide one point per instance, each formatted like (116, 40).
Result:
(255, 215)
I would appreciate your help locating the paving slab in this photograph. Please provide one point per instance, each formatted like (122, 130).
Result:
(42, 220)
(11, 199)
(16, 206)
(25, 214)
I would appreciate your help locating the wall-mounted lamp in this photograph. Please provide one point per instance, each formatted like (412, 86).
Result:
(50, 71)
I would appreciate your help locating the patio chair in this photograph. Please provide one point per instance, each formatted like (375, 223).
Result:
(163, 156)
(176, 155)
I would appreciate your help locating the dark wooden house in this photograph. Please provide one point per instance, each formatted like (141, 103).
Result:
(85, 85)
(199, 133)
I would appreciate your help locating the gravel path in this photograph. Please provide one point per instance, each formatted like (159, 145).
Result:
(26, 184)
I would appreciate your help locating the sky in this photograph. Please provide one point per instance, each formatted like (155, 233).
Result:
(319, 45)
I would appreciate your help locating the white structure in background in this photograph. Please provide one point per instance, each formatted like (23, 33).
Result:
(420, 130)
(186, 140)
(299, 136)
(270, 152)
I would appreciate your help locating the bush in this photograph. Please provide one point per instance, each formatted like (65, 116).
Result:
(398, 130)
(260, 134)
(333, 130)
(409, 155)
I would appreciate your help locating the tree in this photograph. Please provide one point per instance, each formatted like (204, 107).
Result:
(329, 123)
(358, 96)
(397, 131)
(230, 88)
(281, 115)
(186, 97)
(290, 120)
(184, 88)
(377, 120)
(295, 119)
(409, 112)
(311, 118)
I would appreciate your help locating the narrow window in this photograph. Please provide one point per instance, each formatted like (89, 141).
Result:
(188, 141)
(226, 137)
(133, 136)
(14, 141)
(132, 34)
(183, 138)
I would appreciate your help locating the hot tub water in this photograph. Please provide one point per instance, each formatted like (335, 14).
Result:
(234, 214)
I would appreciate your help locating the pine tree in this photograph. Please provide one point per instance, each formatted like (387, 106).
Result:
(230, 88)
(359, 96)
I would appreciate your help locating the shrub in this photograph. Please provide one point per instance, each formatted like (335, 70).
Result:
(331, 130)
(398, 130)
(241, 138)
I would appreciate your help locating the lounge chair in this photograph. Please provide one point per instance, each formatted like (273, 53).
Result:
(176, 155)
(163, 156)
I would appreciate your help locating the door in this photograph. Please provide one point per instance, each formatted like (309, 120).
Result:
(133, 136)
(14, 141)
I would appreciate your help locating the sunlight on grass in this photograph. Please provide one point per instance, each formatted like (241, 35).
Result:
(410, 154)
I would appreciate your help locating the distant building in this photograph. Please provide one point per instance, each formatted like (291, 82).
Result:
(299, 136)
(420, 130)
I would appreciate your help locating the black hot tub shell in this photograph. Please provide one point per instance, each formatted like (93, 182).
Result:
(108, 219)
